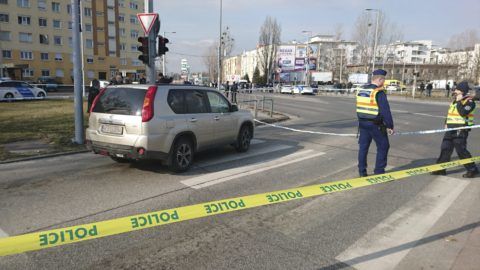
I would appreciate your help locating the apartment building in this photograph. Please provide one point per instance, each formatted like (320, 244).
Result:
(36, 39)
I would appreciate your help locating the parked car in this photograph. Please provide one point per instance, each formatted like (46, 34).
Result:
(47, 83)
(2, 79)
(18, 90)
(165, 122)
(286, 89)
(304, 90)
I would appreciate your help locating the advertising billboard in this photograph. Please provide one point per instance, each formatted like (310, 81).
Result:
(286, 58)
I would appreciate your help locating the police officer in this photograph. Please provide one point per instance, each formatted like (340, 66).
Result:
(374, 121)
(460, 114)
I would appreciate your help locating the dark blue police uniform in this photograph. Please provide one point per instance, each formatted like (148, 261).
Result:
(375, 129)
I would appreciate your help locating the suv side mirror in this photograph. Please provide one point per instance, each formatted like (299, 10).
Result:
(234, 108)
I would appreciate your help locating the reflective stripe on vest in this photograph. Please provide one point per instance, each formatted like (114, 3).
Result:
(454, 118)
(367, 107)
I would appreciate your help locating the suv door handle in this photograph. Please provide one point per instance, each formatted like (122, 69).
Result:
(193, 120)
(216, 118)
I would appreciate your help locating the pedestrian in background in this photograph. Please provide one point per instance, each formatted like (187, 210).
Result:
(447, 89)
(429, 89)
(92, 93)
(142, 80)
(460, 114)
(422, 88)
(374, 122)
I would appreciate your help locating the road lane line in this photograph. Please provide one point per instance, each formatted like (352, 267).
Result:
(430, 115)
(386, 245)
(230, 174)
(256, 141)
(251, 153)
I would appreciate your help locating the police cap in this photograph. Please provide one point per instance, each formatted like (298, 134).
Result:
(380, 72)
(463, 86)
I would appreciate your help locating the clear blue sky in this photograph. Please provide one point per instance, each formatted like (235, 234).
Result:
(196, 22)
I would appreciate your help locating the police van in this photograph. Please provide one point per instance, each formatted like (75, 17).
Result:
(18, 90)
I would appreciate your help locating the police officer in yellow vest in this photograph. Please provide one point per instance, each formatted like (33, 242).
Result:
(460, 114)
(374, 121)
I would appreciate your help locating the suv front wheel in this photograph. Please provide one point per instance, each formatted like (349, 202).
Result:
(243, 139)
(182, 155)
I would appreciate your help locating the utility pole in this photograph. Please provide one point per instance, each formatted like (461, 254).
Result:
(219, 76)
(77, 75)
(151, 46)
(376, 35)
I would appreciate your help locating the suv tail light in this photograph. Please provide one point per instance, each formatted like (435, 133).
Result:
(102, 90)
(147, 110)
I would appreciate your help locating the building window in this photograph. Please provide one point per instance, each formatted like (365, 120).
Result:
(5, 35)
(89, 43)
(42, 22)
(25, 37)
(122, 32)
(89, 59)
(133, 5)
(87, 12)
(4, 17)
(58, 57)
(88, 27)
(123, 61)
(136, 62)
(121, 17)
(69, 9)
(70, 42)
(133, 19)
(57, 24)
(6, 54)
(133, 33)
(121, 3)
(44, 56)
(70, 25)
(123, 46)
(90, 74)
(57, 40)
(55, 7)
(42, 4)
(59, 73)
(134, 48)
(28, 72)
(26, 55)
(23, 3)
(112, 53)
(45, 72)
(5, 2)
(24, 20)
(43, 39)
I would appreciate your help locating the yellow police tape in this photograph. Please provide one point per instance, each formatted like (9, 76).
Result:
(62, 236)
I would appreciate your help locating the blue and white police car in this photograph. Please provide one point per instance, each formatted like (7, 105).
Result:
(18, 90)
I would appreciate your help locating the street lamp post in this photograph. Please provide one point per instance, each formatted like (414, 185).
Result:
(219, 49)
(307, 61)
(376, 34)
(165, 55)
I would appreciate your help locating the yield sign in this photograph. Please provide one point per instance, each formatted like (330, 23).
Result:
(147, 20)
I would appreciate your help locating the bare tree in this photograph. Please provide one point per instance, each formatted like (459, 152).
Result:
(463, 40)
(364, 35)
(268, 42)
(338, 31)
(211, 61)
(228, 42)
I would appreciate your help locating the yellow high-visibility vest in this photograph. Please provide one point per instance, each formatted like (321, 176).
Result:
(454, 118)
(367, 107)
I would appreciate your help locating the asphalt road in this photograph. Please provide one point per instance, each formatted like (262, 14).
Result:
(421, 222)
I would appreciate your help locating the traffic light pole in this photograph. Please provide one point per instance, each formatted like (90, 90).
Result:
(151, 76)
(77, 73)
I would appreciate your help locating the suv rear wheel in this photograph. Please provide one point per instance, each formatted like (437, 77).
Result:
(243, 139)
(182, 155)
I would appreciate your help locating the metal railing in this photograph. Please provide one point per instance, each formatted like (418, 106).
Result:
(256, 103)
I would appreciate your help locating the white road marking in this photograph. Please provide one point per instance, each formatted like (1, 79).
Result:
(400, 111)
(256, 141)
(376, 249)
(426, 114)
(230, 174)
(3, 234)
(251, 153)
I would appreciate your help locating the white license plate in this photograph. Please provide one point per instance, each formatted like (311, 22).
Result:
(112, 129)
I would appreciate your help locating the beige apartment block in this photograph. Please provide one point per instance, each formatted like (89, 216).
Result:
(36, 39)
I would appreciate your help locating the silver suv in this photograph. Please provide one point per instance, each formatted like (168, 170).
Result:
(165, 122)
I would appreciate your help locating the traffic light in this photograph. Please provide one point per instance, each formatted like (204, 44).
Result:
(162, 45)
(144, 57)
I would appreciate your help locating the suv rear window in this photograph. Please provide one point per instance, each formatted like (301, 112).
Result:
(124, 101)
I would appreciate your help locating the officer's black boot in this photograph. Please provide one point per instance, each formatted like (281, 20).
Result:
(471, 174)
(440, 172)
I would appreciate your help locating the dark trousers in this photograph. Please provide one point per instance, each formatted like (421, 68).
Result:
(456, 139)
(369, 131)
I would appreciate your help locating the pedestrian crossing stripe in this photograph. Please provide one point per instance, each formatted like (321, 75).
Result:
(62, 236)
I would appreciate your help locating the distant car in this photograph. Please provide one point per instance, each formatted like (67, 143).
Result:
(305, 90)
(18, 90)
(286, 89)
(103, 84)
(2, 79)
(47, 83)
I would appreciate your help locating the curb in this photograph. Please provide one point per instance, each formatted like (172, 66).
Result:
(43, 156)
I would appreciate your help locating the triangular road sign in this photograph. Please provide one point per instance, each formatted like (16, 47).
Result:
(147, 20)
